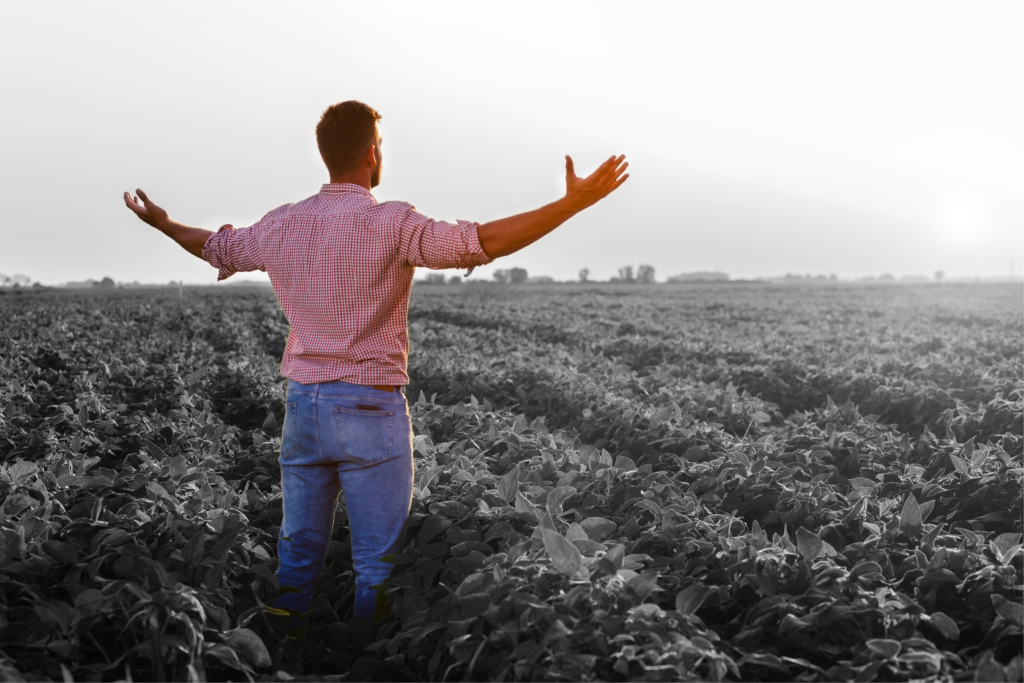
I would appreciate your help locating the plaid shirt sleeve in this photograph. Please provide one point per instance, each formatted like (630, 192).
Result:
(231, 251)
(422, 241)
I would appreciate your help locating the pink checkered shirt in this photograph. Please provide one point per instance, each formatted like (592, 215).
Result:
(342, 265)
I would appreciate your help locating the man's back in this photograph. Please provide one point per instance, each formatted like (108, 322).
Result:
(342, 266)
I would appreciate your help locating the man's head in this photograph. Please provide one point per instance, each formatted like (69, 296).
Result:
(346, 135)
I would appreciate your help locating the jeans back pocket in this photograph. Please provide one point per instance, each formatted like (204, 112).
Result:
(366, 435)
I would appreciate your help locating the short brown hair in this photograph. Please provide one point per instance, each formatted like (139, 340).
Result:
(344, 132)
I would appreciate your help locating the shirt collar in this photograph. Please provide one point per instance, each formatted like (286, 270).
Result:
(344, 188)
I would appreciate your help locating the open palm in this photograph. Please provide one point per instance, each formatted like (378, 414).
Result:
(585, 192)
(146, 210)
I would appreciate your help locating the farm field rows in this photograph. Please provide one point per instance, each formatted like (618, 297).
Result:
(728, 482)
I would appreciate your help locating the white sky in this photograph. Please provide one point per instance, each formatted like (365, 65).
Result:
(763, 138)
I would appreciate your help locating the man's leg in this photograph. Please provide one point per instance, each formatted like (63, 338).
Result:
(310, 490)
(371, 441)
(377, 499)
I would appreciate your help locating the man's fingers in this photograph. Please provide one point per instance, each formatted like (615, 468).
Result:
(612, 173)
(570, 169)
(608, 167)
(132, 203)
(605, 179)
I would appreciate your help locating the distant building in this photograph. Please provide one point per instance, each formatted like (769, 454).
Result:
(792, 277)
(702, 276)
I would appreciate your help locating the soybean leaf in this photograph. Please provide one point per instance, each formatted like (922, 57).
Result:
(946, 626)
(741, 458)
(691, 598)
(525, 506)
(224, 654)
(910, 516)
(588, 547)
(1005, 546)
(432, 526)
(565, 557)
(988, 669)
(263, 571)
(62, 552)
(959, 464)
(21, 472)
(615, 555)
(220, 551)
(809, 545)
(192, 552)
(1010, 610)
(428, 476)
(598, 528)
(885, 647)
(624, 463)
(644, 583)
(576, 533)
(508, 485)
(557, 497)
(249, 645)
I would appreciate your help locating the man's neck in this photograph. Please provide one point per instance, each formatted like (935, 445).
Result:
(360, 179)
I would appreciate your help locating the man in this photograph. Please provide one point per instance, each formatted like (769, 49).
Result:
(342, 266)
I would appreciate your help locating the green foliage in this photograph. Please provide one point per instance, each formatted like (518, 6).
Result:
(724, 485)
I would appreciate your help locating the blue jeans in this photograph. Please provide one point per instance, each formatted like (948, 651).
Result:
(342, 437)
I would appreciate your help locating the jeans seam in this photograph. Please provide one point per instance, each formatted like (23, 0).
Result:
(316, 428)
(293, 405)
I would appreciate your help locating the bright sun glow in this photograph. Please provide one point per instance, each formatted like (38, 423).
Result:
(963, 218)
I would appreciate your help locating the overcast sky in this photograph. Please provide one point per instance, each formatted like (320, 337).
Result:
(763, 138)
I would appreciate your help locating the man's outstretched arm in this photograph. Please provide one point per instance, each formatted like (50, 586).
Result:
(190, 239)
(508, 235)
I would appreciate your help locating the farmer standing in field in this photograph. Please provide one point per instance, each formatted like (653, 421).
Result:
(342, 266)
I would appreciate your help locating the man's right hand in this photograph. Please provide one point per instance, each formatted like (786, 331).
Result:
(585, 192)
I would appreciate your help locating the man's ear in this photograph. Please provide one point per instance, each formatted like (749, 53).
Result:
(371, 154)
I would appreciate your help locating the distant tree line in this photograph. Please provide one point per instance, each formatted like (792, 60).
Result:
(644, 274)
(15, 280)
(441, 279)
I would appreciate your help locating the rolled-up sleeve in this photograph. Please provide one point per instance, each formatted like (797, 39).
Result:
(422, 241)
(231, 250)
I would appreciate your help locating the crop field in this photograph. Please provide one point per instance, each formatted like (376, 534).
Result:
(614, 482)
